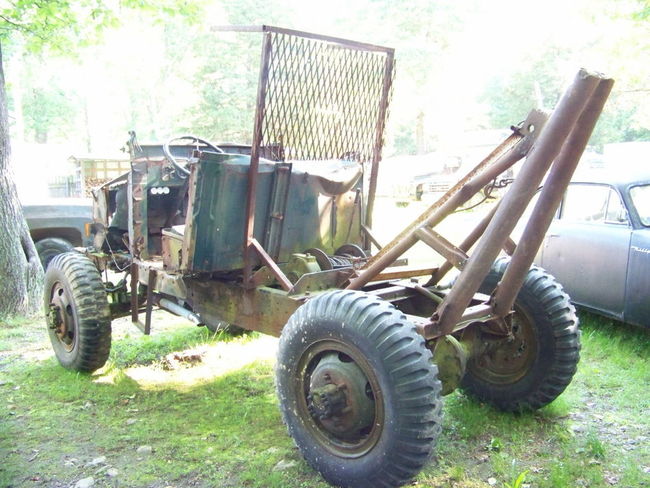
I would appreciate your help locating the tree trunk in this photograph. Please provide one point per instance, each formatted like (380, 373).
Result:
(21, 274)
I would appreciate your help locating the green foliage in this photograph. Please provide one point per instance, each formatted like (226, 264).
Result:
(48, 108)
(537, 83)
(618, 122)
(62, 25)
(134, 350)
(211, 78)
(594, 446)
(56, 23)
(404, 140)
(227, 88)
(643, 12)
(518, 481)
(495, 444)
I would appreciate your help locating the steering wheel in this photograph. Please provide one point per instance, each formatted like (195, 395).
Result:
(183, 172)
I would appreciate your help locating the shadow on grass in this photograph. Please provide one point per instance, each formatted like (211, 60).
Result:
(142, 350)
(225, 430)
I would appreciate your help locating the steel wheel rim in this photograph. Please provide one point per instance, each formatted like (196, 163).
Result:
(506, 361)
(345, 446)
(64, 327)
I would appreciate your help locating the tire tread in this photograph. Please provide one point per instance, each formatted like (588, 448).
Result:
(408, 364)
(91, 304)
(555, 308)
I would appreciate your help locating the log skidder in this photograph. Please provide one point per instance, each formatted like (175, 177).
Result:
(367, 344)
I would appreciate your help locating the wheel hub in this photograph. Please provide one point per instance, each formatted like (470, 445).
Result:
(340, 398)
(505, 360)
(61, 317)
(327, 402)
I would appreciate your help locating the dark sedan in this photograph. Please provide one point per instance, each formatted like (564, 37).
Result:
(598, 246)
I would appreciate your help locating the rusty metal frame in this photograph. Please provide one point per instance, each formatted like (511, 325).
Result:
(500, 159)
(251, 247)
(566, 133)
(249, 244)
(379, 142)
(558, 149)
(550, 198)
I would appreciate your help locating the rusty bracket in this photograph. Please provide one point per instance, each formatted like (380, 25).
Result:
(500, 159)
(566, 134)
(454, 255)
(372, 239)
(135, 305)
(285, 283)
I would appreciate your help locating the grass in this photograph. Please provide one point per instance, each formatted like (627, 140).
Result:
(215, 421)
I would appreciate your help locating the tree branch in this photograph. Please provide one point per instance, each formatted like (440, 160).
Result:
(11, 22)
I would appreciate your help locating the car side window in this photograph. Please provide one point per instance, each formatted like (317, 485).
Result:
(585, 203)
(593, 203)
(616, 213)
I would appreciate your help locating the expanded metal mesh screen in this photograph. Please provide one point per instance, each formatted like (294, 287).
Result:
(324, 100)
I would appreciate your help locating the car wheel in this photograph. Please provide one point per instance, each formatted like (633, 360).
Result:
(77, 312)
(50, 247)
(358, 390)
(534, 365)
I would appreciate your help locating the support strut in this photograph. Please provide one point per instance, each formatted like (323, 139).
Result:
(565, 134)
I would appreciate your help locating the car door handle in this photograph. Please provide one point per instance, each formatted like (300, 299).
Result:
(552, 235)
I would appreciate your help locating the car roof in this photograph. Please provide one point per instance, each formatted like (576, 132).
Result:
(622, 175)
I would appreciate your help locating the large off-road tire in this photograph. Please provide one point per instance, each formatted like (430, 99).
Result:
(358, 390)
(535, 365)
(50, 247)
(77, 312)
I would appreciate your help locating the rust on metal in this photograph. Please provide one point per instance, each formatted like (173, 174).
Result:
(503, 157)
(151, 279)
(453, 310)
(318, 132)
(255, 160)
(346, 43)
(371, 237)
(550, 197)
(134, 292)
(465, 245)
(379, 137)
(400, 274)
(442, 246)
(425, 219)
(321, 109)
(319, 98)
(275, 269)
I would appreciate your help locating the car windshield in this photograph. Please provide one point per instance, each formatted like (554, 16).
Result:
(641, 199)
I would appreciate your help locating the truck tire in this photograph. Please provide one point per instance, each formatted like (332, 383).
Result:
(535, 366)
(77, 312)
(358, 390)
(51, 246)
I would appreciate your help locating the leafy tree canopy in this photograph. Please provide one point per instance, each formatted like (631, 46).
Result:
(63, 25)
